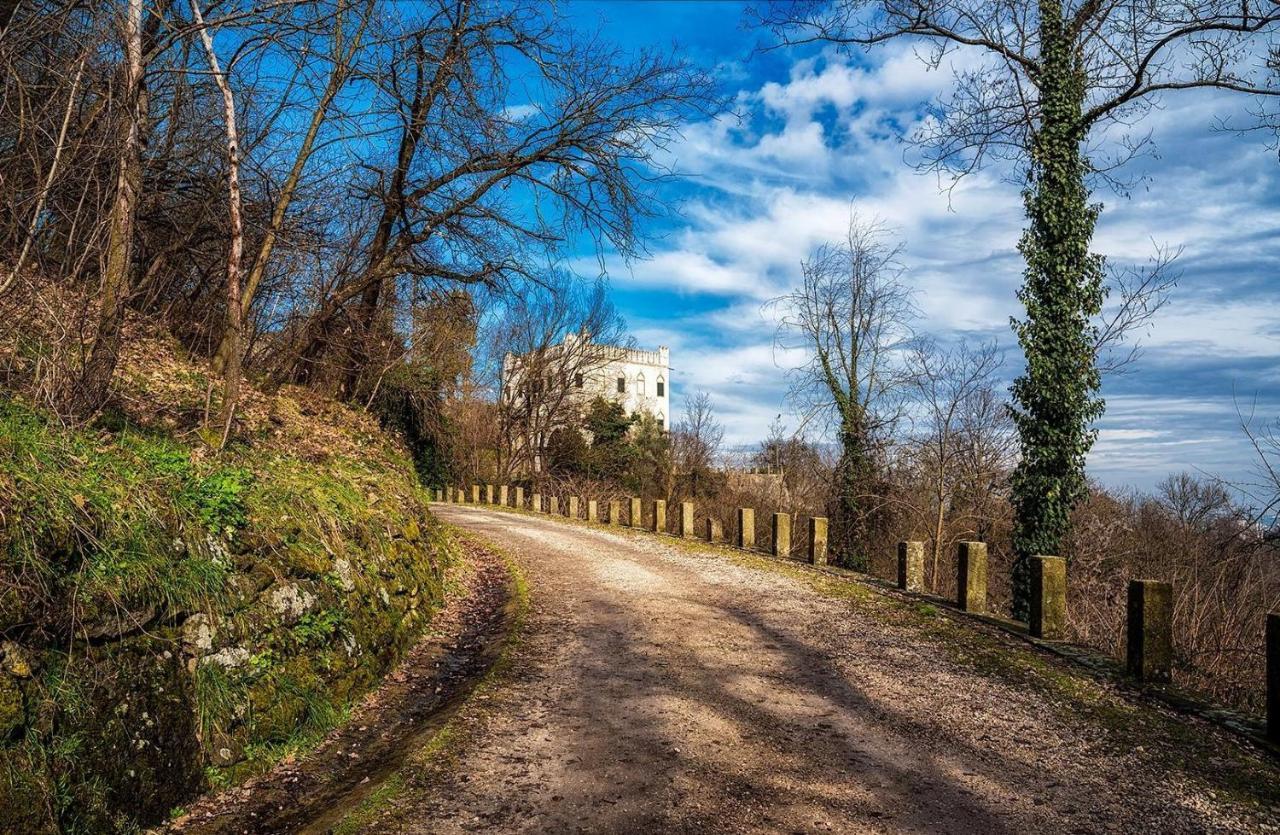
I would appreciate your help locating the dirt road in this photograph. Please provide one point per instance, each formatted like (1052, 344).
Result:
(660, 687)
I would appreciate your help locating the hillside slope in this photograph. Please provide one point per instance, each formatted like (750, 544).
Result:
(173, 618)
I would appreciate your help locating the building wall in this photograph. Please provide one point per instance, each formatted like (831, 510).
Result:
(640, 373)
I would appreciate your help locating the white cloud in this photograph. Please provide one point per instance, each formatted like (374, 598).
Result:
(782, 180)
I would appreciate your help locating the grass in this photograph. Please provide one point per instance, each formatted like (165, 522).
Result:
(118, 520)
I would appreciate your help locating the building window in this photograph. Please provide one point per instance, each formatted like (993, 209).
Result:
(662, 422)
(640, 385)
(622, 385)
(662, 387)
(577, 380)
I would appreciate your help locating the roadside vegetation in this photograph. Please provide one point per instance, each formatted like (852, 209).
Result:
(196, 615)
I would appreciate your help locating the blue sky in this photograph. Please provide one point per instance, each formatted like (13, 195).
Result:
(821, 132)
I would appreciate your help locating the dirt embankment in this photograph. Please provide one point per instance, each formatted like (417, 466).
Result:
(175, 618)
(311, 793)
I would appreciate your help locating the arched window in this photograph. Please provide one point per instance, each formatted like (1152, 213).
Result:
(640, 384)
(662, 421)
(662, 387)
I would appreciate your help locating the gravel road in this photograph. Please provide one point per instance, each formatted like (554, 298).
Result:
(659, 687)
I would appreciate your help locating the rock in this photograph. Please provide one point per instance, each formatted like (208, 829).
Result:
(345, 573)
(197, 634)
(229, 657)
(15, 660)
(224, 749)
(290, 602)
(115, 622)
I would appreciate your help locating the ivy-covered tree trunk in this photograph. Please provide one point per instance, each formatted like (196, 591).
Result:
(853, 475)
(1055, 400)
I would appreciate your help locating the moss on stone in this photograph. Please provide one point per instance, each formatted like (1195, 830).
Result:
(12, 714)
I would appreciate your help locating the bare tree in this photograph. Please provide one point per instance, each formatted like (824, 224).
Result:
(43, 193)
(960, 438)
(470, 190)
(345, 41)
(1139, 294)
(382, 154)
(1263, 490)
(91, 390)
(852, 318)
(1120, 57)
(235, 242)
(695, 442)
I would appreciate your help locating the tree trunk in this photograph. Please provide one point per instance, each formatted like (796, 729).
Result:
(850, 516)
(235, 251)
(937, 530)
(95, 379)
(1056, 396)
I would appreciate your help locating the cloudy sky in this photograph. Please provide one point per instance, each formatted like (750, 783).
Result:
(815, 133)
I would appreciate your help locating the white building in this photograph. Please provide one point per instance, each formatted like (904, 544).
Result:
(543, 391)
(634, 377)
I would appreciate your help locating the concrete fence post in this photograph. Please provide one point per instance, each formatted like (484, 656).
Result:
(1149, 655)
(715, 531)
(818, 540)
(475, 494)
(573, 507)
(504, 495)
(780, 540)
(911, 566)
(462, 495)
(746, 527)
(553, 505)
(1273, 676)
(520, 497)
(659, 515)
(537, 502)
(615, 512)
(1048, 598)
(488, 494)
(686, 520)
(592, 512)
(971, 576)
(635, 518)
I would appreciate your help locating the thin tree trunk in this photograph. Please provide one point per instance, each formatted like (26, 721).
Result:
(95, 379)
(34, 226)
(937, 531)
(231, 373)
